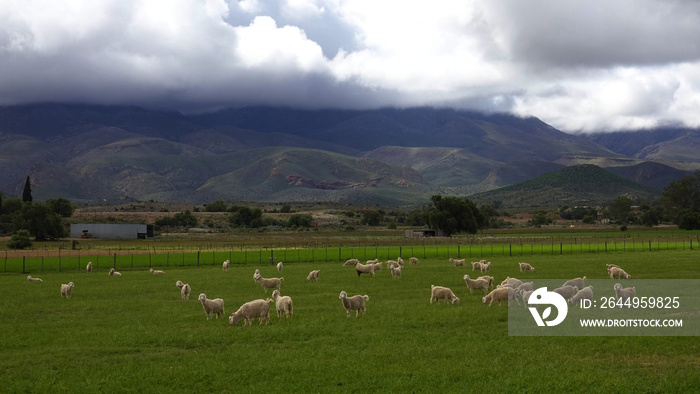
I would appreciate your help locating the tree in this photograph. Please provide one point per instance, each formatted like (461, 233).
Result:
(40, 220)
(540, 219)
(246, 217)
(61, 206)
(299, 220)
(216, 206)
(19, 240)
(372, 218)
(27, 193)
(620, 209)
(681, 199)
(453, 215)
(180, 219)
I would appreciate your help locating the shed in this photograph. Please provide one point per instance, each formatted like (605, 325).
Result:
(111, 231)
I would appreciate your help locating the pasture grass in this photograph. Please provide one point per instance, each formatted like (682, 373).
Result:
(135, 333)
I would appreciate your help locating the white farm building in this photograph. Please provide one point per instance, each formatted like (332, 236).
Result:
(111, 231)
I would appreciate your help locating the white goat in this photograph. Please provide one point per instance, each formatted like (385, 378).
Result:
(624, 294)
(510, 282)
(498, 294)
(525, 296)
(283, 304)
(226, 265)
(280, 265)
(585, 293)
(396, 271)
(413, 260)
(476, 283)
(391, 264)
(355, 303)
(35, 280)
(489, 278)
(618, 273)
(88, 268)
(526, 267)
(112, 272)
(157, 272)
(577, 282)
(269, 283)
(212, 307)
(313, 276)
(250, 310)
(66, 289)
(350, 262)
(567, 291)
(364, 269)
(185, 290)
(458, 263)
(438, 293)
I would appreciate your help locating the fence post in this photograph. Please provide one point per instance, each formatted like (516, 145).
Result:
(23, 264)
(459, 252)
(114, 263)
(198, 258)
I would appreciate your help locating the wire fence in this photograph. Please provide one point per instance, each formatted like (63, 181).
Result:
(76, 260)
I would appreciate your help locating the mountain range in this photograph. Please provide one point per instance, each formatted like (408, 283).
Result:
(384, 157)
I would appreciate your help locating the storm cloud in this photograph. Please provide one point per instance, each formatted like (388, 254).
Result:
(598, 66)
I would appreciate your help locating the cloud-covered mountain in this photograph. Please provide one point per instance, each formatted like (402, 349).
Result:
(388, 156)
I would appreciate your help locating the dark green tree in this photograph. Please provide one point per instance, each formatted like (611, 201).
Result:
(372, 217)
(180, 219)
(40, 220)
(300, 220)
(540, 219)
(19, 240)
(216, 206)
(620, 209)
(454, 215)
(246, 217)
(61, 206)
(681, 200)
(11, 205)
(27, 193)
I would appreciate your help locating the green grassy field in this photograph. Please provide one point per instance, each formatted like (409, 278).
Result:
(135, 333)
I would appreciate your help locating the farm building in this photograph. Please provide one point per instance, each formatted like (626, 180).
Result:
(111, 231)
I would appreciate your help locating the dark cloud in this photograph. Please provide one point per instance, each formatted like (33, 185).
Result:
(600, 66)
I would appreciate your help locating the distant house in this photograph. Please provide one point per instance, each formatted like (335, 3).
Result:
(111, 231)
(422, 233)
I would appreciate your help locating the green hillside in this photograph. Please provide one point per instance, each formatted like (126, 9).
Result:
(584, 184)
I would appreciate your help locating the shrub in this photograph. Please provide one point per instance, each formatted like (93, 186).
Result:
(19, 240)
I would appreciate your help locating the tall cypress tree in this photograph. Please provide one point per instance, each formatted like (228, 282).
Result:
(27, 193)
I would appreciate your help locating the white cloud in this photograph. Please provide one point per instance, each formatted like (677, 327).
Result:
(264, 45)
(603, 66)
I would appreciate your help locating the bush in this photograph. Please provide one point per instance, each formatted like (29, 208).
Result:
(19, 240)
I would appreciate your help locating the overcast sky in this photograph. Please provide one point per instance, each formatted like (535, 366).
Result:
(579, 66)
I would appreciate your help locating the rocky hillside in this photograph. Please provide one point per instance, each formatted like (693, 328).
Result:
(387, 157)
